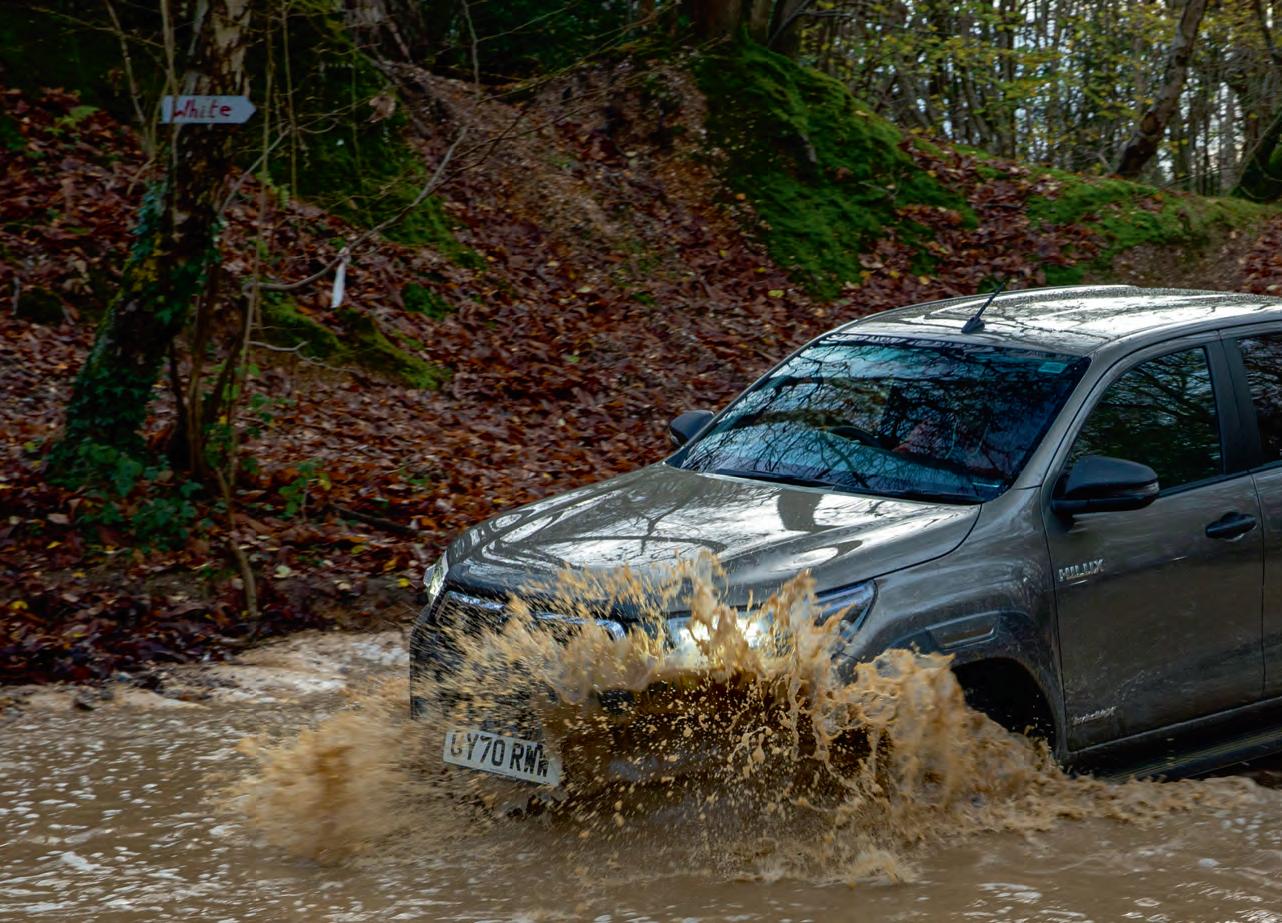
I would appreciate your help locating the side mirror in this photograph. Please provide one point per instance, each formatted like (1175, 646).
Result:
(1099, 484)
(687, 426)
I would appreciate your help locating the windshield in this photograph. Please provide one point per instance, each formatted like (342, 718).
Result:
(892, 417)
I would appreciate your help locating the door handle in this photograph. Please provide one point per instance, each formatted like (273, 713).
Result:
(1231, 525)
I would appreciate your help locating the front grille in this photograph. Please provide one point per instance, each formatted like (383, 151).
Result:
(481, 611)
(435, 653)
(459, 608)
(432, 649)
(474, 612)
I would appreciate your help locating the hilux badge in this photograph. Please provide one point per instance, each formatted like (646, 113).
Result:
(1074, 572)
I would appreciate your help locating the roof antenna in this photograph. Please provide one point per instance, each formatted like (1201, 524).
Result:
(976, 322)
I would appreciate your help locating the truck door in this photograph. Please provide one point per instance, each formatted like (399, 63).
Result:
(1159, 608)
(1257, 359)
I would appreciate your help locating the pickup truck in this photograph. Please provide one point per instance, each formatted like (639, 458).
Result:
(1074, 492)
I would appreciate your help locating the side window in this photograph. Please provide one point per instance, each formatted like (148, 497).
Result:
(1160, 413)
(1263, 359)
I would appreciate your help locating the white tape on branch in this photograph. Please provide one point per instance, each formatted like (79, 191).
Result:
(340, 281)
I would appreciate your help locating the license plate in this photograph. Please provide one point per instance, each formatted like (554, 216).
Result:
(513, 757)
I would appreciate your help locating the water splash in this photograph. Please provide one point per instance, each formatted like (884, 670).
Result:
(742, 749)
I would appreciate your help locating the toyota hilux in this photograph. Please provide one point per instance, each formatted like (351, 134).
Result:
(1076, 493)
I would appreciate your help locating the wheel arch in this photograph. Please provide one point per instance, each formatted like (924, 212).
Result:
(1006, 662)
(1007, 691)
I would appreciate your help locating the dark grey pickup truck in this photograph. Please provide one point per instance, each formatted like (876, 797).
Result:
(1076, 492)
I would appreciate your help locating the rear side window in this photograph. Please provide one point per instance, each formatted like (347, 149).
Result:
(1160, 413)
(1263, 359)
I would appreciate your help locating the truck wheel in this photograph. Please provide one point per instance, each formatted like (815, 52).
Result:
(1006, 692)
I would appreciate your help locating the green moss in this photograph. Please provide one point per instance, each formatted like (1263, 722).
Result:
(368, 347)
(359, 168)
(1079, 197)
(825, 175)
(929, 148)
(284, 325)
(1064, 275)
(371, 175)
(361, 343)
(1128, 215)
(419, 299)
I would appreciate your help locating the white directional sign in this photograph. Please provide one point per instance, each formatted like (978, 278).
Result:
(205, 110)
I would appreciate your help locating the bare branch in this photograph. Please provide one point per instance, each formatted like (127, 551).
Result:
(276, 349)
(135, 95)
(471, 31)
(346, 252)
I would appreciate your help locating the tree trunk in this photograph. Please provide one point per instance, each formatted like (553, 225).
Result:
(1006, 124)
(720, 19)
(175, 246)
(756, 19)
(1262, 19)
(1260, 180)
(396, 30)
(785, 26)
(1152, 125)
(714, 19)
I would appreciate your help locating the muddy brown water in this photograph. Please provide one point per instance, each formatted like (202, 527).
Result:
(121, 813)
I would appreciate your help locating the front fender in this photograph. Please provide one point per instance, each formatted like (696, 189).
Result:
(1003, 635)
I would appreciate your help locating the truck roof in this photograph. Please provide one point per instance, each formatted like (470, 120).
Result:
(1079, 320)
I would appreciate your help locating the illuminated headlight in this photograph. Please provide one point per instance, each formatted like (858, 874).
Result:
(434, 581)
(852, 604)
(688, 636)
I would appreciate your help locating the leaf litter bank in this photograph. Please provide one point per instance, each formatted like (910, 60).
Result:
(619, 283)
(716, 757)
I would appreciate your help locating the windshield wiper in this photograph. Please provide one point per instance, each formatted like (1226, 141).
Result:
(792, 479)
(937, 496)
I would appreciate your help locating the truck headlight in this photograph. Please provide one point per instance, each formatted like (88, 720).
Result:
(852, 604)
(434, 582)
(688, 637)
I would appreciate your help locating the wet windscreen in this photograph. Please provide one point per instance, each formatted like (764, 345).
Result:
(891, 417)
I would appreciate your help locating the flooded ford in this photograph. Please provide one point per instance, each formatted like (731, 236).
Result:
(739, 781)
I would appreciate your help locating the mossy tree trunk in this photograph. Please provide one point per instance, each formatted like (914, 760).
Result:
(1261, 179)
(175, 247)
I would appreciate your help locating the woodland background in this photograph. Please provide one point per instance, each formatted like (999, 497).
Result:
(556, 225)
